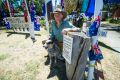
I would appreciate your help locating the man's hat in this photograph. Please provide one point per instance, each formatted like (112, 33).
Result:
(58, 10)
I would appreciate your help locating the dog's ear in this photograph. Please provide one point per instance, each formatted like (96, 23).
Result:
(49, 42)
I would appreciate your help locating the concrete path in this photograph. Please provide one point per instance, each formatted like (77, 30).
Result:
(113, 37)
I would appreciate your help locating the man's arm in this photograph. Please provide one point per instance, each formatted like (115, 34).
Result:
(65, 31)
(70, 28)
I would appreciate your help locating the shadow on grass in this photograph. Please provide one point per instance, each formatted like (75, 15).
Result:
(47, 62)
(3, 28)
(116, 28)
(56, 69)
(99, 75)
(27, 35)
(98, 71)
(11, 33)
(106, 46)
(20, 33)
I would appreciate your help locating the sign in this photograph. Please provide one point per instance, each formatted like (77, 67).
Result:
(67, 48)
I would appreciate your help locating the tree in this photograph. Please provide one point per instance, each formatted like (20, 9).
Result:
(70, 5)
(38, 4)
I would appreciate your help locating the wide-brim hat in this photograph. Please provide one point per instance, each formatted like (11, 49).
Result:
(58, 10)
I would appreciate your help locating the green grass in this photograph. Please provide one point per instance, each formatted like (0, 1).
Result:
(3, 56)
(28, 73)
(8, 75)
(114, 21)
(32, 66)
(31, 70)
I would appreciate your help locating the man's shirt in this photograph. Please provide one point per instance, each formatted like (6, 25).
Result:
(57, 31)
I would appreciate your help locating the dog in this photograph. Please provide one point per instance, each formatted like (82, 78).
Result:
(53, 50)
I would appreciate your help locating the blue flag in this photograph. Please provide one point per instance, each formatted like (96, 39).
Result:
(43, 8)
(90, 9)
(36, 25)
(7, 24)
(93, 29)
(95, 53)
(32, 12)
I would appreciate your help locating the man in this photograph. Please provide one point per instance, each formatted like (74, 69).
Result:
(60, 27)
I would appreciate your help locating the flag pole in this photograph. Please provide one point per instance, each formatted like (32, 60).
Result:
(31, 25)
(46, 16)
(9, 8)
(27, 10)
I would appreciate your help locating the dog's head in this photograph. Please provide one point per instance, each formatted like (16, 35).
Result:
(48, 44)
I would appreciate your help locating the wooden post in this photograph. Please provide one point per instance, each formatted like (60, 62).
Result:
(31, 24)
(80, 49)
(91, 70)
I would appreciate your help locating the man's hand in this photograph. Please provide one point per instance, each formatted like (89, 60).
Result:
(65, 31)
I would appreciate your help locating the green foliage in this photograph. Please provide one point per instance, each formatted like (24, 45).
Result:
(114, 21)
(69, 5)
(42, 22)
(38, 5)
(0, 3)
